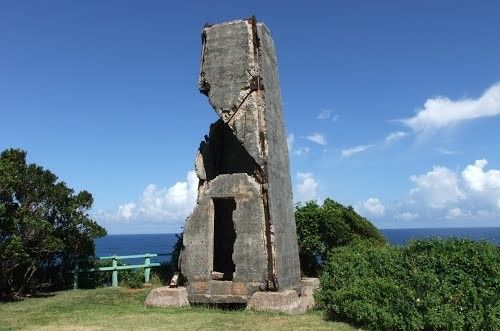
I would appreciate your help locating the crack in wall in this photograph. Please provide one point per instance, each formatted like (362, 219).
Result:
(272, 281)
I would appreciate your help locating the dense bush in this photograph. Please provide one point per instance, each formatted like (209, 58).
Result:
(87, 280)
(427, 285)
(323, 227)
(133, 278)
(44, 226)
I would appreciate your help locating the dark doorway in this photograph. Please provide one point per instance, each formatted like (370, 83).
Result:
(224, 237)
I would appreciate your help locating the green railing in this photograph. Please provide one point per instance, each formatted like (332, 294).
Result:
(115, 267)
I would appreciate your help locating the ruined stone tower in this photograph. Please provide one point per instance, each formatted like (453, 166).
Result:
(241, 236)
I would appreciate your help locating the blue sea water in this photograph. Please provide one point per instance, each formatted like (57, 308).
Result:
(402, 236)
(133, 244)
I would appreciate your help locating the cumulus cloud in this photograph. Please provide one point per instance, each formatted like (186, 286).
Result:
(354, 150)
(372, 206)
(394, 136)
(452, 194)
(464, 196)
(306, 188)
(441, 112)
(437, 188)
(479, 180)
(317, 138)
(482, 185)
(126, 211)
(158, 204)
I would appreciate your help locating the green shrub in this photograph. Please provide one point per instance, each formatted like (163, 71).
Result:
(133, 278)
(94, 279)
(321, 228)
(427, 285)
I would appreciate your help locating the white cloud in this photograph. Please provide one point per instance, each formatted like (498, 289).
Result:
(437, 188)
(441, 112)
(454, 213)
(473, 191)
(468, 196)
(289, 141)
(324, 114)
(394, 136)
(156, 204)
(480, 181)
(306, 188)
(301, 151)
(482, 185)
(373, 206)
(406, 216)
(126, 211)
(317, 138)
(445, 151)
(354, 150)
(327, 114)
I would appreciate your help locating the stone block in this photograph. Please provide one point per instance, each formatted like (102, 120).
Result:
(308, 286)
(167, 297)
(287, 302)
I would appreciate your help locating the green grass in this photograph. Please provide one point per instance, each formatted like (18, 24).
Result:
(108, 308)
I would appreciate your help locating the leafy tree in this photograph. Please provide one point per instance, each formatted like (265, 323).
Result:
(44, 225)
(323, 227)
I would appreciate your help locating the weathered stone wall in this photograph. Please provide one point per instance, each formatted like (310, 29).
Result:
(281, 211)
(249, 248)
(244, 157)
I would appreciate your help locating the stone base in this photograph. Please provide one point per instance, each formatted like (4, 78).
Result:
(287, 302)
(217, 299)
(167, 297)
(308, 285)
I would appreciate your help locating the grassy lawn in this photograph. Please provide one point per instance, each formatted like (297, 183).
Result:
(108, 308)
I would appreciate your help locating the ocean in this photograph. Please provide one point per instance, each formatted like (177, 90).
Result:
(134, 244)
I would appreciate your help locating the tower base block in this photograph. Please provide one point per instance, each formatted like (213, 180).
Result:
(167, 297)
(287, 302)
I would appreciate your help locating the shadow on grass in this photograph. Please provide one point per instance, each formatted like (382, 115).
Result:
(221, 306)
(12, 298)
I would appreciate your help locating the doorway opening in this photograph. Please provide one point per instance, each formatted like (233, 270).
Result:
(224, 237)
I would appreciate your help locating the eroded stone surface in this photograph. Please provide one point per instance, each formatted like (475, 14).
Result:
(308, 287)
(287, 302)
(167, 297)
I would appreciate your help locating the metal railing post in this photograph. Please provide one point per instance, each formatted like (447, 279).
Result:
(114, 277)
(147, 269)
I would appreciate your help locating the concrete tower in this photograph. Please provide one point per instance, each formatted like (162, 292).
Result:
(241, 236)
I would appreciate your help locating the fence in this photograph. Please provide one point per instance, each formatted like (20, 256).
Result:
(115, 267)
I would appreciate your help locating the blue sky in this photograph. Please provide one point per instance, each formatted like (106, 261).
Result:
(390, 106)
